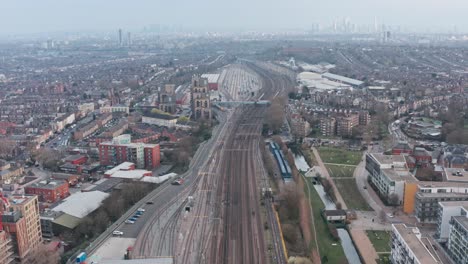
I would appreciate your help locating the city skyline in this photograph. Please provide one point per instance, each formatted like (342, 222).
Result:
(51, 16)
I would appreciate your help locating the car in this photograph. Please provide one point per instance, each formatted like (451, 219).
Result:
(129, 221)
(178, 182)
(149, 202)
(138, 213)
(141, 210)
(136, 216)
(133, 219)
(117, 233)
(390, 215)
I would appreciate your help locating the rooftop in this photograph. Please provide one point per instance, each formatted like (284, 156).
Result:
(398, 175)
(463, 204)
(212, 78)
(81, 204)
(122, 166)
(130, 174)
(388, 159)
(52, 184)
(456, 175)
(416, 243)
(342, 78)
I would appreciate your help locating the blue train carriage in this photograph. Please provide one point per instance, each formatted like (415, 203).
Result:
(280, 163)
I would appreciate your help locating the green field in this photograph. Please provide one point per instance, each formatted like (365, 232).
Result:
(339, 156)
(334, 253)
(351, 195)
(340, 171)
(380, 240)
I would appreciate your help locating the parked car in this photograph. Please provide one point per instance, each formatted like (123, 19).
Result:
(133, 219)
(117, 233)
(136, 216)
(129, 221)
(150, 202)
(141, 210)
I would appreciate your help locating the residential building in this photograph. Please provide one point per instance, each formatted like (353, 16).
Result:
(364, 118)
(300, 128)
(345, 124)
(115, 109)
(85, 108)
(167, 99)
(160, 120)
(6, 247)
(49, 191)
(328, 126)
(408, 245)
(120, 150)
(429, 194)
(455, 156)
(9, 174)
(447, 210)
(21, 220)
(388, 175)
(200, 99)
(457, 245)
(14, 223)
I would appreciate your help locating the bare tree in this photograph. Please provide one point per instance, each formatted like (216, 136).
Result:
(44, 255)
(276, 114)
(6, 148)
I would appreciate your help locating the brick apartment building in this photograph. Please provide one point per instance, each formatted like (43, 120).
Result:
(20, 219)
(49, 191)
(120, 150)
(345, 124)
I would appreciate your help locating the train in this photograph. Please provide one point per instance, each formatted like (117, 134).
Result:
(283, 165)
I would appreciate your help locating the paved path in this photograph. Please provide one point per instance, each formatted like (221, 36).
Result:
(327, 176)
(364, 246)
(360, 174)
(338, 164)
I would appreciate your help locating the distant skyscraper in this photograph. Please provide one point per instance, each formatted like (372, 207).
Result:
(120, 37)
(376, 25)
(129, 39)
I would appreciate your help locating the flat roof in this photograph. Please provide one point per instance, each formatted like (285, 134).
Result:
(122, 166)
(67, 220)
(388, 159)
(342, 78)
(130, 174)
(434, 184)
(463, 204)
(398, 175)
(51, 184)
(461, 174)
(81, 204)
(414, 240)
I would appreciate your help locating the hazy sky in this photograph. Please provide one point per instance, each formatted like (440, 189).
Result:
(31, 16)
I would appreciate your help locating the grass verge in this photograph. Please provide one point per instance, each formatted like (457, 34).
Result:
(330, 250)
(340, 171)
(350, 193)
(380, 240)
(339, 156)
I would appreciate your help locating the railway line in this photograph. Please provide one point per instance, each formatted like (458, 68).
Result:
(224, 224)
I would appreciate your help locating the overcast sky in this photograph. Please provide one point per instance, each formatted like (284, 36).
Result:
(32, 16)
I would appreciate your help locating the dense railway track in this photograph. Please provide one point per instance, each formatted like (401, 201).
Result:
(224, 225)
